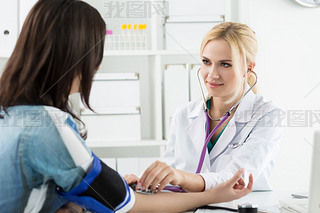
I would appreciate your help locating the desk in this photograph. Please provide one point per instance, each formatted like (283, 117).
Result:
(266, 201)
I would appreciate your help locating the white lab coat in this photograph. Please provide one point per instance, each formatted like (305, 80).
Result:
(256, 125)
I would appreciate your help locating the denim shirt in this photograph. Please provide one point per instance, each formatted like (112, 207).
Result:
(33, 155)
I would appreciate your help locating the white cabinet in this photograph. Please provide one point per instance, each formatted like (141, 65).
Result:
(110, 90)
(115, 98)
(12, 16)
(112, 125)
(8, 26)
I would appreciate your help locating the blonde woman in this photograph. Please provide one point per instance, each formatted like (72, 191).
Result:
(248, 138)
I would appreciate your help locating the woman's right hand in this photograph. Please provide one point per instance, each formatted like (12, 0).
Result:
(232, 189)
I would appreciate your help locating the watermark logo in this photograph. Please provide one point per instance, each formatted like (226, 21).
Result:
(135, 9)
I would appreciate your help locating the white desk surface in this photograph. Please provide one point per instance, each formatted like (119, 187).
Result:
(267, 202)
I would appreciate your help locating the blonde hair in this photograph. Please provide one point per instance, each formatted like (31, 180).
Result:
(243, 43)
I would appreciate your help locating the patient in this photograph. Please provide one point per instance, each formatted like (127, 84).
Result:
(46, 162)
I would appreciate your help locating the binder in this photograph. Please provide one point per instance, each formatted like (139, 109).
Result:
(115, 90)
(115, 97)
(176, 92)
(114, 124)
(186, 27)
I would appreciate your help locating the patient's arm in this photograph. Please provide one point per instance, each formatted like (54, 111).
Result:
(178, 202)
(70, 208)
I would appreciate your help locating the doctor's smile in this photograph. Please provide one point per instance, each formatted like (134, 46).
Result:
(214, 85)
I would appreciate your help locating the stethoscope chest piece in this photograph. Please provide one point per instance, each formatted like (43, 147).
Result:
(247, 208)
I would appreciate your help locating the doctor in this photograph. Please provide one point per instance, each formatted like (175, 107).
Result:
(248, 138)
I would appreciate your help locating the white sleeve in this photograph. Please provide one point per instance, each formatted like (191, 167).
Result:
(255, 155)
(80, 154)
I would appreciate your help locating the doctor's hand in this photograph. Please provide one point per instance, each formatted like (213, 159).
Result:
(130, 178)
(158, 175)
(233, 188)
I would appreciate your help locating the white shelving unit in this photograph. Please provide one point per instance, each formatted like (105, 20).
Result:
(150, 64)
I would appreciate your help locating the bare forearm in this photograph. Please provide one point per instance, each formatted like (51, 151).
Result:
(192, 182)
(170, 202)
(178, 202)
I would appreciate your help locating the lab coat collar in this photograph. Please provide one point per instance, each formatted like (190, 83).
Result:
(198, 110)
(196, 129)
(243, 113)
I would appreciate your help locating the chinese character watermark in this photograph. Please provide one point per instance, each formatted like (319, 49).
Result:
(135, 9)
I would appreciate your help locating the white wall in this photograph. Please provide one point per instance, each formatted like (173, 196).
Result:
(288, 68)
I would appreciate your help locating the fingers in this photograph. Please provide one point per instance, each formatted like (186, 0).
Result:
(232, 181)
(157, 178)
(247, 190)
(240, 184)
(157, 173)
(153, 178)
(130, 178)
(165, 182)
(147, 171)
(250, 184)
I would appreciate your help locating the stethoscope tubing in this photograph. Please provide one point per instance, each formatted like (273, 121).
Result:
(208, 137)
(222, 120)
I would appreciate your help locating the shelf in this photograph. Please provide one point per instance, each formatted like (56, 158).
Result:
(98, 111)
(178, 52)
(128, 52)
(134, 53)
(149, 52)
(128, 149)
(216, 18)
(5, 54)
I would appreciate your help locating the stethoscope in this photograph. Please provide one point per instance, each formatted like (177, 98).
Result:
(210, 134)
(222, 119)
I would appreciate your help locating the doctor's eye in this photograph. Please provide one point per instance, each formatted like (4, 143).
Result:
(205, 61)
(226, 65)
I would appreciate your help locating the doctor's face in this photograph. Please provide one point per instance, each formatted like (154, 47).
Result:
(217, 70)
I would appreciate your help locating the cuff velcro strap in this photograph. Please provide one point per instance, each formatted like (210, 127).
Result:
(101, 190)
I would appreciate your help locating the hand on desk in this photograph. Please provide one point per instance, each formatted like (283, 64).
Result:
(233, 188)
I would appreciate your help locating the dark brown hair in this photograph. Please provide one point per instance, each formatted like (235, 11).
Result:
(60, 40)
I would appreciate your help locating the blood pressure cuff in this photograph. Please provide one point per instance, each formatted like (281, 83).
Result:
(101, 190)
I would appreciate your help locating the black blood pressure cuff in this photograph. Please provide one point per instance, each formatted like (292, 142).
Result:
(101, 190)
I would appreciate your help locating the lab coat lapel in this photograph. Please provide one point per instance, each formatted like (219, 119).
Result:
(243, 114)
(224, 139)
(196, 129)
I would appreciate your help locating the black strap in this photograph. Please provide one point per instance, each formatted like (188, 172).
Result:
(218, 207)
